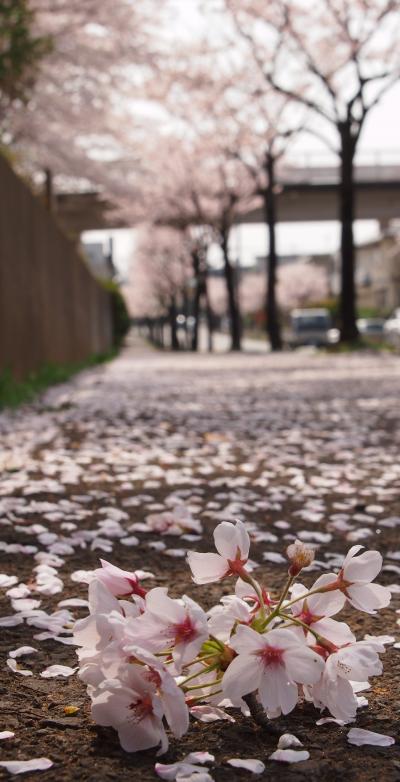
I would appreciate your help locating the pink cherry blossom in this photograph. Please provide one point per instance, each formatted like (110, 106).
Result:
(119, 582)
(315, 612)
(300, 556)
(167, 623)
(272, 663)
(357, 573)
(106, 620)
(354, 581)
(355, 662)
(232, 542)
(130, 704)
(172, 697)
(222, 618)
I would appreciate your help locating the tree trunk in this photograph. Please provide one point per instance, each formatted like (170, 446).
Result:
(348, 307)
(272, 313)
(49, 199)
(173, 325)
(185, 312)
(233, 304)
(196, 300)
(209, 316)
(161, 333)
(150, 329)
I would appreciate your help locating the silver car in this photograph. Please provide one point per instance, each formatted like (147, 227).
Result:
(312, 327)
(392, 328)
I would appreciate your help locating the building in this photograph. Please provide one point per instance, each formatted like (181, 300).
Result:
(100, 259)
(378, 272)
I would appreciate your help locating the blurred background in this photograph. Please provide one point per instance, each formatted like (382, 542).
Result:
(214, 174)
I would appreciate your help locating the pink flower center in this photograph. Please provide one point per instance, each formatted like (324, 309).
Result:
(141, 709)
(307, 617)
(184, 631)
(153, 677)
(135, 588)
(236, 566)
(271, 656)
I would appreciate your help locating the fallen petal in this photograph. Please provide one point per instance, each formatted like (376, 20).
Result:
(210, 714)
(22, 766)
(16, 669)
(288, 740)
(199, 757)
(57, 670)
(359, 737)
(289, 755)
(22, 650)
(250, 764)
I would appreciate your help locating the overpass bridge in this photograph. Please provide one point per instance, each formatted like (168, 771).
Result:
(311, 193)
(304, 193)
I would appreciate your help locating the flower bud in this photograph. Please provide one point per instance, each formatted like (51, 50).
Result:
(300, 556)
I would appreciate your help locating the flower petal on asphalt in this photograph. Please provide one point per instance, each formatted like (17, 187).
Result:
(250, 764)
(57, 670)
(289, 755)
(359, 737)
(22, 766)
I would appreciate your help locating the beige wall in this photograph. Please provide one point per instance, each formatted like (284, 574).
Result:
(379, 263)
(52, 310)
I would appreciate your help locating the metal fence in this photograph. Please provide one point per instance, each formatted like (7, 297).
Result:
(52, 309)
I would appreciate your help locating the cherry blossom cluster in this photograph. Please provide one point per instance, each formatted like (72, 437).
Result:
(151, 661)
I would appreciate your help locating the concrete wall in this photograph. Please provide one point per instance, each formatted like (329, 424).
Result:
(52, 310)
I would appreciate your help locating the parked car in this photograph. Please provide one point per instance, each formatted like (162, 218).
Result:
(311, 327)
(372, 328)
(392, 328)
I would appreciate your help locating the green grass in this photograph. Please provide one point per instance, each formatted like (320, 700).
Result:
(16, 392)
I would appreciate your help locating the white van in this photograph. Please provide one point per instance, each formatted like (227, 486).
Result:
(312, 327)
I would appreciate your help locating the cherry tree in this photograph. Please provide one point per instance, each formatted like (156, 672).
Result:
(189, 184)
(94, 68)
(162, 267)
(265, 125)
(301, 283)
(336, 59)
(254, 124)
(252, 292)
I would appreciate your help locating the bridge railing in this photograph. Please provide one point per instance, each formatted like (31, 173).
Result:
(375, 165)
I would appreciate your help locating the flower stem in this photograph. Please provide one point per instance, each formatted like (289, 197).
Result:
(298, 622)
(201, 686)
(201, 660)
(202, 697)
(277, 608)
(259, 715)
(196, 674)
(304, 596)
(258, 590)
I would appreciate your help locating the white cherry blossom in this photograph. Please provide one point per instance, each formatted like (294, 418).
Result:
(179, 624)
(130, 704)
(120, 583)
(272, 664)
(353, 663)
(354, 581)
(315, 612)
(232, 542)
